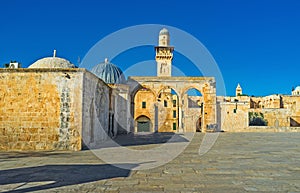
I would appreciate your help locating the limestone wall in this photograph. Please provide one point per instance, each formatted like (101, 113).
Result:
(121, 108)
(232, 116)
(277, 117)
(52, 109)
(95, 110)
(292, 103)
(40, 109)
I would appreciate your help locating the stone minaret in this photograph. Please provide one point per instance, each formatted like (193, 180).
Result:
(238, 90)
(164, 54)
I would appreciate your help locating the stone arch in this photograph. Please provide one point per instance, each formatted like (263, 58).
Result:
(143, 89)
(191, 100)
(185, 89)
(137, 88)
(165, 88)
(205, 85)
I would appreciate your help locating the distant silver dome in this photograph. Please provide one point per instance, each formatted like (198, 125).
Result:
(109, 73)
(52, 62)
(164, 31)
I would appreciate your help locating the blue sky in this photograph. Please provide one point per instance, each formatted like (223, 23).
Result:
(255, 43)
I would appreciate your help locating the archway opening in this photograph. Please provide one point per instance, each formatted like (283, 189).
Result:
(143, 124)
(167, 110)
(193, 110)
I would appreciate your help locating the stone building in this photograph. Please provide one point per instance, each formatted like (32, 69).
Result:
(53, 105)
(278, 112)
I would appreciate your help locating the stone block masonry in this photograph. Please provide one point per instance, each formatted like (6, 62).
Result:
(41, 109)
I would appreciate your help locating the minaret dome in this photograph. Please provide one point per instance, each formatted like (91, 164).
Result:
(164, 37)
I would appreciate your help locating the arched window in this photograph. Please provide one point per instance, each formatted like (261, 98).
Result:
(165, 103)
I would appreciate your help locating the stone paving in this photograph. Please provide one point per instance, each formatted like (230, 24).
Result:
(237, 162)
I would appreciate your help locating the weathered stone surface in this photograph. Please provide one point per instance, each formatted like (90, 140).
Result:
(41, 109)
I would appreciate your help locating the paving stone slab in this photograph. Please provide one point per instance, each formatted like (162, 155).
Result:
(237, 162)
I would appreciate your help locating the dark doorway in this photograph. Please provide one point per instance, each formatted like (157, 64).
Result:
(198, 125)
(143, 124)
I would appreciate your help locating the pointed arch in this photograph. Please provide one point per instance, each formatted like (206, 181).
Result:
(193, 97)
(173, 91)
(199, 89)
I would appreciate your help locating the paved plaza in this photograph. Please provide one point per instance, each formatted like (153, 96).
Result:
(233, 162)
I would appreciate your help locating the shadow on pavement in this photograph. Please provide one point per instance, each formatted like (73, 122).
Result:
(142, 138)
(149, 138)
(18, 154)
(53, 176)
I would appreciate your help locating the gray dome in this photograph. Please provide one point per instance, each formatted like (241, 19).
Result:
(109, 73)
(52, 62)
(164, 31)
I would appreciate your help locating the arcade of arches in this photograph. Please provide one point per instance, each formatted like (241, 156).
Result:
(162, 104)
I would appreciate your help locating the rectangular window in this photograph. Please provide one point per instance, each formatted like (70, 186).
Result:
(174, 114)
(174, 126)
(143, 104)
(165, 103)
(174, 103)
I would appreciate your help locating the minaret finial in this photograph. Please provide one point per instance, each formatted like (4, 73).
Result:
(106, 60)
(54, 53)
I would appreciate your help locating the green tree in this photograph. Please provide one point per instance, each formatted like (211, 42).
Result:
(257, 119)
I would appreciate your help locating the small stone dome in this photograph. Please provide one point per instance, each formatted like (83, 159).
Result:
(164, 31)
(109, 73)
(52, 62)
(297, 88)
(296, 91)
